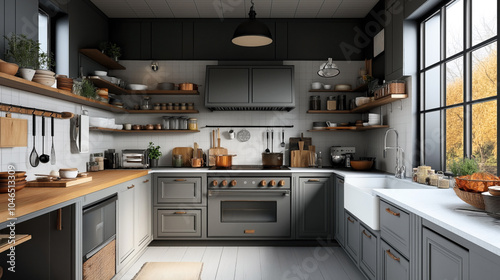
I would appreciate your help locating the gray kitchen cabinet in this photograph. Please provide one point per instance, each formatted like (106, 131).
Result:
(395, 227)
(368, 252)
(230, 85)
(179, 222)
(393, 265)
(125, 238)
(352, 236)
(178, 190)
(142, 200)
(314, 207)
(272, 85)
(443, 259)
(339, 210)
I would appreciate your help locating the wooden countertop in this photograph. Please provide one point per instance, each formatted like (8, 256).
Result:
(29, 200)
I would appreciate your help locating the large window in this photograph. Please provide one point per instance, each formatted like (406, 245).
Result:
(458, 101)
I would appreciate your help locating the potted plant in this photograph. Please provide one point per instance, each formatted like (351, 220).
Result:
(465, 166)
(154, 154)
(45, 61)
(114, 51)
(24, 52)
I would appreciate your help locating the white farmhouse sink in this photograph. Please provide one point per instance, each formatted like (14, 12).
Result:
(359, 200)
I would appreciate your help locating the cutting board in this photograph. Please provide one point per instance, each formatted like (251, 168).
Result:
(63, 183)
(187, 154)
(13, 132)
(300, 158)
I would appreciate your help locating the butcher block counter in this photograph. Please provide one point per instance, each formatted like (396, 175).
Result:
(29, 199)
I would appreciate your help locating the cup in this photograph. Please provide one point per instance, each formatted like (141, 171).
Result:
(327, 86)
(331, 124)
(196, 162)
(231, 134)
(316, 85)
(127, 126)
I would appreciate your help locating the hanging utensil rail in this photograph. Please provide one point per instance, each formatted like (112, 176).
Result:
(10, 108)
(251, 126)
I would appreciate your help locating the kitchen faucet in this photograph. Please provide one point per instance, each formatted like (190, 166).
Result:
(400, 168)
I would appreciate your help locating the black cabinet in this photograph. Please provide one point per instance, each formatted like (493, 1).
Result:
(133, 37)
(314, 207)
(272, 85)
(339, 210)
(166, 40)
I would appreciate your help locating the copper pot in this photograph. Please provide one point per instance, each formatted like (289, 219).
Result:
(224, 160)
(188, 86)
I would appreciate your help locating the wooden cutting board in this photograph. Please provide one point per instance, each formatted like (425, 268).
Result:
(13, 132)
(187, 154)
(294, 143)
(301, 157)
(63, 183)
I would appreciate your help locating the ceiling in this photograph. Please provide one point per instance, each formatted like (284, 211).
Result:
(235, 8)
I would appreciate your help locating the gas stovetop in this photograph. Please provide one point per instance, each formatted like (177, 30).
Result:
(249, 167)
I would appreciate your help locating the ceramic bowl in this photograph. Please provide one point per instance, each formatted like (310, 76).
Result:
(8, 68)
(68, 173)
(327, 86)
(100, 73)
(137, 87)
(316, 85)
(343, 87)
(44, 81)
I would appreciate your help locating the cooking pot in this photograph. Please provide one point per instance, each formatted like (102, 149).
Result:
(272, 160)
(166, 86)
(188, 86)
(224, 160)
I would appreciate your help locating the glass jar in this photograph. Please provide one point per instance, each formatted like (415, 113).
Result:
(183, 123)
(177, 160)
(174, 123)
(170, 106)
(190, 106)
(193, 124)
(157, 106)
(166, 123)
(146, 103)
(177, 106)
(183, 106)
(164, 106)
(314, 102)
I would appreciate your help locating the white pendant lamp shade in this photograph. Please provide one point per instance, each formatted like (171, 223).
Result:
(252, 33)
(328, 69)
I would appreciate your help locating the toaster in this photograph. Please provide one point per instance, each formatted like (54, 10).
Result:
(137, 158)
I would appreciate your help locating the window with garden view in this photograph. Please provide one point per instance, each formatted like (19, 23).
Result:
(458, 102)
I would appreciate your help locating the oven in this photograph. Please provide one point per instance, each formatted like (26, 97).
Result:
(247, 206)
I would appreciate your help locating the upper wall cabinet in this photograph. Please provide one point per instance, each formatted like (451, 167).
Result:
(166, 39)
(133, 37)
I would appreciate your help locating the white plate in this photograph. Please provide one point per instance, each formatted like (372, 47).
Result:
(243, 135)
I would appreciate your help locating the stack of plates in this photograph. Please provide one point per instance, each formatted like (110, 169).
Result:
(373, 119)
(44, 77)
(6, 179)
(64, 83)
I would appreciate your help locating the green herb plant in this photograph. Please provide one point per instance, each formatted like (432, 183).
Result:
(88, 89)
(154, 151)
(465, 166)
(45, 61)
(110, 49)
(22, 51)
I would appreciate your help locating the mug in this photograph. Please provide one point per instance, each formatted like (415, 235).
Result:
(331, 124)
(127, 126)
(196, 162)
(231, 134)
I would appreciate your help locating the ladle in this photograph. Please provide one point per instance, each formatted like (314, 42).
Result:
(44, 158)
(34, 155)
(52, 150)
(267, 141)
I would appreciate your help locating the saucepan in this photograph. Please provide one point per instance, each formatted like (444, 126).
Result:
(224, 160)
(188, 86)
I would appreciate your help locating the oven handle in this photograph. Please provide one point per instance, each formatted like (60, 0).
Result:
(237, 192)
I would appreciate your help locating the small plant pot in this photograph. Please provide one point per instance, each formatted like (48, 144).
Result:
(27, 73)
(153, 162)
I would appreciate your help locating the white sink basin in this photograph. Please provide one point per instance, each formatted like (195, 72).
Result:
(359, 200)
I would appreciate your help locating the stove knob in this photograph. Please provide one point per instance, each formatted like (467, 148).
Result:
(272, 183)
(224, 183)
(233, 183)
(281, 183)
(214, 183)
(262, 183)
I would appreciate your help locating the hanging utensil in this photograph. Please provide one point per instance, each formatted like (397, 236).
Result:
(267, 141)
(282, 138)
(43, 157)
(34, 155)
(52, 150)
(272, 140)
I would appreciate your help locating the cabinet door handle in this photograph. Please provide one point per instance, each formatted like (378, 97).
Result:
(388, 210)
(131, 187)
(249, 231)
(180, 212)
(349, 219)
(313, 180)
(180, 180)
(146, 181)
(391, 255)
(341, 181)
(366, 234)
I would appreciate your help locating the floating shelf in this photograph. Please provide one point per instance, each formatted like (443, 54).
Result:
(350, 128)
(102, 59)
(29, 86)
(163, 111)
(143, 130)
(379, 102)
(112, 88)
(329, 112)
(361, 88)
(19, 238)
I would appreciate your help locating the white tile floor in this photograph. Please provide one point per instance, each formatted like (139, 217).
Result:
(273, 263)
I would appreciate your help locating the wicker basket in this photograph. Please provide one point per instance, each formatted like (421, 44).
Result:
(478, 186)
(472, 198)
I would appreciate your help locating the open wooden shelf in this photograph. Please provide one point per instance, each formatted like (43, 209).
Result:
(329, 112)
(379, 102)
(361, 88)
(112, 88)
(350, 128)
(19, 238)
(163, 111)
(29, 86)
(143, 130)
(102, 59)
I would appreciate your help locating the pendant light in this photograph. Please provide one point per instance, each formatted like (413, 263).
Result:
(328, 69)
(252, 33)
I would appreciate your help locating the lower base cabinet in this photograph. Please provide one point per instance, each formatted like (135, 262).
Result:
(442, 258)
(178, 222)
(352, 236)
(368, 252)
(393, 265)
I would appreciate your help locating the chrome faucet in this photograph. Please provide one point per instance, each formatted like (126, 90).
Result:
(400, 168)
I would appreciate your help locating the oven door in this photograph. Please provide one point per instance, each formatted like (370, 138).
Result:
(249, 213)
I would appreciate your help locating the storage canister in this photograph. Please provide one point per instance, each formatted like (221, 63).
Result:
(314, 102)
(331, 103)
(177, 160)
(183, 123)
(166, 122)
(190, 106)
(193, 124)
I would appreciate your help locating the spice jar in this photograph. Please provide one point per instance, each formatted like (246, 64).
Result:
(331, 103)
(177, 106)
(170, 106)
(177, 160)
(193, 124)
(183, 106)
(314, 102)
(190, 106)
(164, 106)
(157, 106)
(146, 103)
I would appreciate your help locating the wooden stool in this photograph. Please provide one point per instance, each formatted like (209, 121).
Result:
(170, 271)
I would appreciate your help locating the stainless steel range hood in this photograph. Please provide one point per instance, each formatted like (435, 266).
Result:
(250, 88)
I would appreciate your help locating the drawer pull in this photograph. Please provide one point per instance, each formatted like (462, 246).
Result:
(391, 255)
(388, 210)
(349, 219)
(366, 234)
(180, 212)
(313, 180)
(180, 180)
(146, 181)
(131, 187)
(249, 231)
